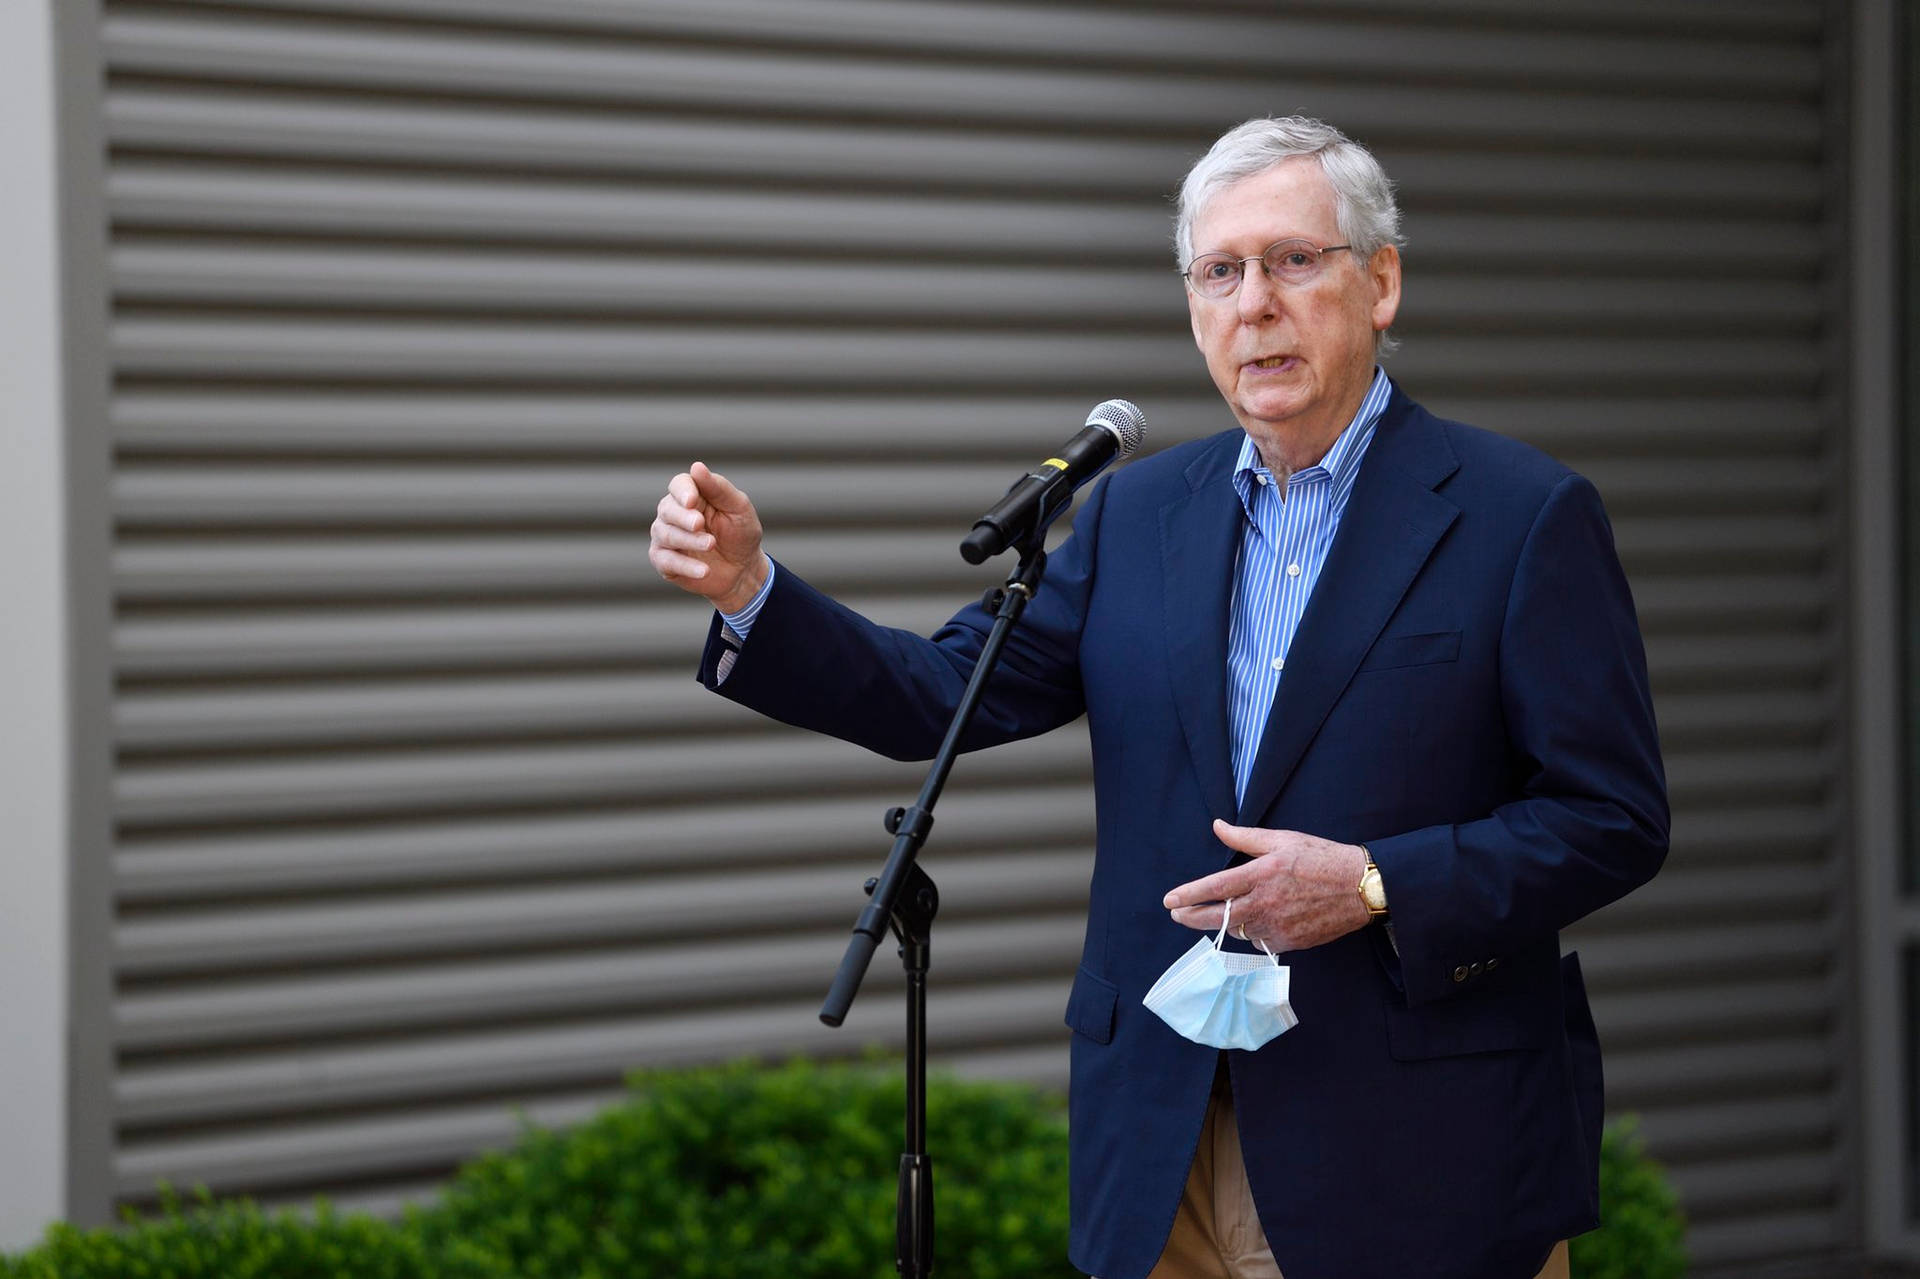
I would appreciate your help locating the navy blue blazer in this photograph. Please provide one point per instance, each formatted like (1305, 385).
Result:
(1466, 694)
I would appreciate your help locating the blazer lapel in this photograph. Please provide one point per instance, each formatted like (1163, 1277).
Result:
(1392, 523)
(1199, 540)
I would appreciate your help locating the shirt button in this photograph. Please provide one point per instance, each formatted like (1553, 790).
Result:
(1264, 479)
(1279, 663)
(1293, 570)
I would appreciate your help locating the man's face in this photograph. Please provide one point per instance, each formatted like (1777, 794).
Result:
(1292, 361)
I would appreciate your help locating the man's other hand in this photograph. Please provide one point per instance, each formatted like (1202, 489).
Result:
(706, 539)
(1298, 891)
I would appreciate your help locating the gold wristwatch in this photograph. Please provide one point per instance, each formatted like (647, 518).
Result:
(1373, 893)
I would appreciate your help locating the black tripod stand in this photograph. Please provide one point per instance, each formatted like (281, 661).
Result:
(904, 897)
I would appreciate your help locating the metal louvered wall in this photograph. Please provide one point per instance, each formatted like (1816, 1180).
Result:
(419, 814)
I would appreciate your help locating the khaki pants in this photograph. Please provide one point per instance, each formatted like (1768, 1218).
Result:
(1217, 1234)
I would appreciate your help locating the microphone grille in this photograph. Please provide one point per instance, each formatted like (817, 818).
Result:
(1123, 420)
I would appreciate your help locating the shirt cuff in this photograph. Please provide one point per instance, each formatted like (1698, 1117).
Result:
(741, 623)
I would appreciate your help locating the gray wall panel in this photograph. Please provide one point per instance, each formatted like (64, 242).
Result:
(416, 304)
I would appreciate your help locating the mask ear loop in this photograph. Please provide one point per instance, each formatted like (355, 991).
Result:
(1226, 917)
(1261, 942)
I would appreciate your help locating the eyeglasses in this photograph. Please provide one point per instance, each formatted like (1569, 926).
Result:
(1289, 262)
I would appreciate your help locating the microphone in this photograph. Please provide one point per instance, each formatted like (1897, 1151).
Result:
(1114, 429)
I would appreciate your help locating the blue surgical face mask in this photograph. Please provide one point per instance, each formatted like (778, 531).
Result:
(1224, 999)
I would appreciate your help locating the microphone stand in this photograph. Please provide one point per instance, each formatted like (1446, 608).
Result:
(904, 898)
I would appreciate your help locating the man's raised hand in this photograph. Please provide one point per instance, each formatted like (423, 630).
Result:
(706, 539)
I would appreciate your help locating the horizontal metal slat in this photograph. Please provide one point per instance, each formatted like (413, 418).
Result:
(152, 195)
(1672, 606)
(1755, 1184)
(321, 494)
(424, 1139)
(654, 910)
(1716, 541)
(1453, 43)
(1754, 834)
(1697, 720)
(227, 718)
(227, 1090)
(1655, 960)
(681, 77)
(372, 783)
(1715, 1011)
(231, 122)
(1710, 1131)
(264, 1154)
(695, 833)
(198, 1016)
(1684, 895)
(1136, 364)
(1759, 662)
(266, 641)
(1721, 19)
(513, 422)
(713, 284)
(268, 569)
(1719, 1072)
(1742, 1245)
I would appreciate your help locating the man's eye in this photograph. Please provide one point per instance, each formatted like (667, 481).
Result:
(1296, 260)
(1215, 271)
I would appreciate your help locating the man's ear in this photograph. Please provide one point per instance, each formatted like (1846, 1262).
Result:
(1385, 271)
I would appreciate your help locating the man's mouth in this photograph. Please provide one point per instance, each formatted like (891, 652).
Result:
(1272, 361)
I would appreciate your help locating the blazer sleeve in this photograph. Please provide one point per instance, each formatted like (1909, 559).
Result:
(1590, 821)
(814, 663)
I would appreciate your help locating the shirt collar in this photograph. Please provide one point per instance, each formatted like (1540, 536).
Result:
(1342, 459)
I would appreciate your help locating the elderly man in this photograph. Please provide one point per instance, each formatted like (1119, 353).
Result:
(1370, 678)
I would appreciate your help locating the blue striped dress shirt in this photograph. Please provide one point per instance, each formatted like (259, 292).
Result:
(1283, 543)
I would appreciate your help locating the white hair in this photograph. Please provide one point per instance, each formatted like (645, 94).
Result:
(1364, 206)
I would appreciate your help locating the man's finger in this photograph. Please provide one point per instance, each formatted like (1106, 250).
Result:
(675, 566)
(679, 539)
(683, 489)
(1205, 918)
(672, 510)
(718, 489)
(1214, 888)
(1251, 840)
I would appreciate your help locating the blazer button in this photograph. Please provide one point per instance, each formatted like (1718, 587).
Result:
(1477, 969)
(1492, 964)
(1460, 973)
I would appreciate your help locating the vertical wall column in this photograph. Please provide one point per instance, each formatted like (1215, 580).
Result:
(33, 706)
(1885, 924)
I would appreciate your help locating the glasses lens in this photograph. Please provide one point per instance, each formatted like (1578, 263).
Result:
(1213, 275)
(1292, 261)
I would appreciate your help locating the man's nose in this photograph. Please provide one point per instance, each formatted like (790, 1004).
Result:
(1258, 297)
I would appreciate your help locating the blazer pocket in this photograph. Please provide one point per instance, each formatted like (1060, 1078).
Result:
(1091, 1006)
(1412, 650)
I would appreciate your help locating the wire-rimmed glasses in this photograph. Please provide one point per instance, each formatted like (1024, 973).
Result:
(1288, 262)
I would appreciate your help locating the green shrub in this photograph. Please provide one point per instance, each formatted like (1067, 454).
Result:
(208, 1240)
(1641, 1227)
(746, 1172)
